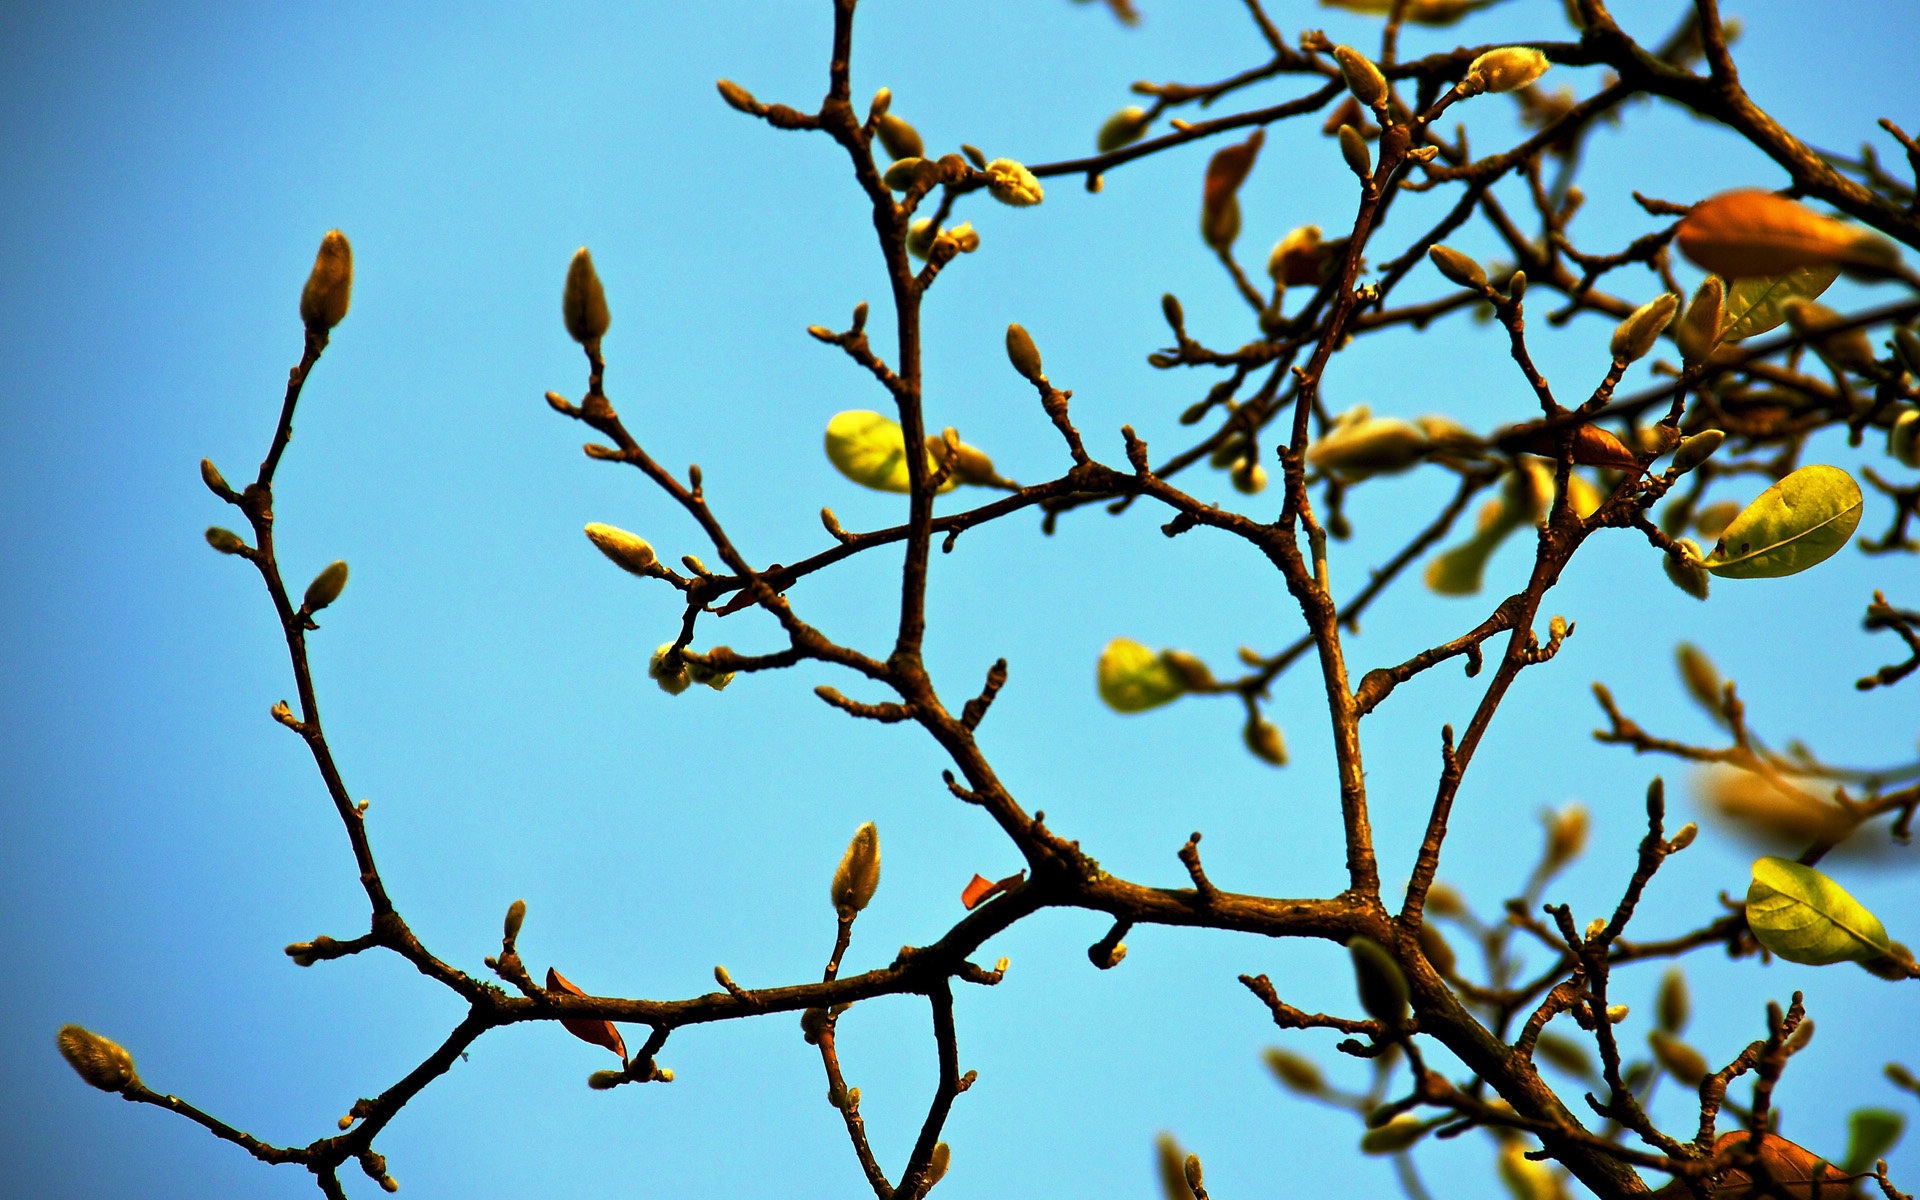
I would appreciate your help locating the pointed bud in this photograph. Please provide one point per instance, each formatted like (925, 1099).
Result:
(226, 541)
(1566, 835)
(1364, 79)
(1383, 987)
(1010, 183)
(738, 97)
(326, 586)
(1122, 129)
(1435, 947)
(1633, 337)
(907, 172)
(628, 551)
(1024, 355)
(900, 139)
(1674, 1003)
(323, 302)
(858, 875)
(210, 475)
(583, 304)
(938, 1162)
(1458, 267)
(1700, 675)
(101, 1062)
(1396, 1135)
(1266, 742)
(516, 913)
(1173, 1172)
(1191, 1168)
(1697, 449)
(1682, 837)
(1699, 331)
(1506, 69)
(1296, 1072)
(1353, 148)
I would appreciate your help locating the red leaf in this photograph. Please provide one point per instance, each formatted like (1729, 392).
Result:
(1779, 1169)
(587, 1029)
(982, 889)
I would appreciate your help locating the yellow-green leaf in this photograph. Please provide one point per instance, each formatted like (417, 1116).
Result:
(1134, 678)
(1797, 523)
(871, 450)
(1871, 1132)
(1758, 303)
(1805, 917)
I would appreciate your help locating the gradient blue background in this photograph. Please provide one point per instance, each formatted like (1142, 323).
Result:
(165, 174)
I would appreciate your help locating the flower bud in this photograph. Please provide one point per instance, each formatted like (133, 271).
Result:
(601, 1081)
(1699, 330)
(1360, 444)
(326, 586)
(1682, 837)
(1192, 671)
(628, 551)
(1364, 79)
(813, 1023)
(1680, 1060)
(1903, 440)
(226, 541)
(882, 102)
(1566, 835)
(1673, 1004)
(1458, 267)
(858, 875)
(1436, 949)
(1353, 148)
(1266, 742)
(1444, 901)
(516, 913)
(900, 139)
(210, 475)
(1249, 477)
(1617, 1013)
(964, 236)
(1301, 259)
(1122, 129)
(738, 97)
(1700, 676)
(583, 305)
(1024, 355)
(1382, 985)
(1191, 1169)
(906, 172)
(672, 682)
(1506, 69)
(1010, 183)
(323, 302)
(1633, 337)
(938, 1162)
(1697, 449)
(1692, 578)
(1396, 1135)
(1517, 285)
(1296, 1072)
(920, 237)
(101, 1062)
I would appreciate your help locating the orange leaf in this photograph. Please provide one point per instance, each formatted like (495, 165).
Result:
(1592, 446)
(587, 1029)
(1752, 232)
(981, 889)
(1227, 171)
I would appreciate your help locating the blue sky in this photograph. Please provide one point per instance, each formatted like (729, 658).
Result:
(165, 175)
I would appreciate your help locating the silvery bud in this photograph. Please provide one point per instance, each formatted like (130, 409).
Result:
(1633, 337)
(1506, 69)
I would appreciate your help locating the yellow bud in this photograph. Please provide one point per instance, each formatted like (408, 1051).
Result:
(1566, 835)
(1294, 1071)
(1191, 1169)
(1617, 1013)
(900, 139)
(226, 541)
(964, 236)
(326, 586)
(938, 1162)
(101, 1062)
(1173, 1172)
(1396, 1135)
(1249, 477)
(1122, 129)
(1681, 1061)
(1700, 675)
(1506, 69)
(1699, 330)
(1458, 267)
(671, 682)
(583, 305)
(1011, 183)
(738, 97)
(323, 302)
(1193, 672)
(920, 236)
(1265, 740)
(858, 875)
(882, 102)
(628, 551)
(1353, 148)
(1633, 337)
(1903, 440)
(1697, 449)
(1360, 445)
(1435, 947)
(1674, 1003)
(1023, 354)
(1364, 79)
(1683, 837)
(600, 1081)
(1692, 578)
(907, 172)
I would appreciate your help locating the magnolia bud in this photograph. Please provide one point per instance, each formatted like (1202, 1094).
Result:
(583, 305)
(1457, 267)
(1023, 354)
(738, 97)
(1566, 835)
(601, 1081)
(629, 552)
(906, 172)
(938, 1162)
(1506, 69)
(103, 1063)
(1699, 330)
(1617, 1013)
(1122, 129)
(1691, 578)
(882, 101)
(1353, 148)
(813, 1023)
(326, 586)
(323, 302)
(1265, 740)
(1683, 837)
(516, 913)
(858, 875)
(1382, 985)
(1191, 1168)
(1633, 337)
(1673, 1004)
(226, 541)
(1010, 183)
(1903, 440)
(671, 682)
(900, 139)
(1681, 1061)
(920, 236)
(964, 236)
(1296, 1072)
(210, 475)
(1697, 449)
(1364, 79)
(1249, 477)
(1517, 285)
(1396, 1135)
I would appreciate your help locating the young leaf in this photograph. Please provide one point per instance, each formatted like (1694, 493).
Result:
(1758, 303)
(1871, 1132)
(587, 1029)
(1134, 678)
(1797, 523)
(1805, 917)
(871, 450)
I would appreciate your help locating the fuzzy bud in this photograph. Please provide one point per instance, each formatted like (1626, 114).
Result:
(1566, 835)
(1364, 79)
(858, 875)
(1382, 985)
(1506, 69)
(583, 304)
(1697, 449)
(1674, 1003)
(1633, 337)
(1296, 1072)
(323, 302)
(103, 1063)
(1023, 354)
(628, 551)
(516, 913)
(938, 1162)
(226, 541)
(1691, 577)
(1011, 183)
(900, 139)
(1458, 267)
(738, 97)
(1266, 742)
(1353, 148)
(326, 586)
(1122, 129)
(210, 475)
(672, 682)
(1683, 837)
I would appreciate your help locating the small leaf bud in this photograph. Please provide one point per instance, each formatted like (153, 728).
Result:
(1633, 337)
(1458, 267)
(628, 551)
(1683, 837)
(583, 305)
(516, 913)
(900, 139)
(1353, 148)
(226, 541)
(1364, 79)
(326, 586)
(1617, 1013)
(1023, 354)
(1517, 285)
(1170, 308)
(103, 1063)
(738, 97)
(1506, 69)
(975, 155)
(1801, 1035)
(1697, 449)
(858, 875)
(1122, 129)
(210, 475)
(1011, 183)
(1596, 927)
(323, 302)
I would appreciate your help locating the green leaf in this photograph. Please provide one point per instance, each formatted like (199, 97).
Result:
(1134, 678)
(872, 451)
(1759, 302)
(1797, 523)
(1871, 1132)
(1804, 917)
